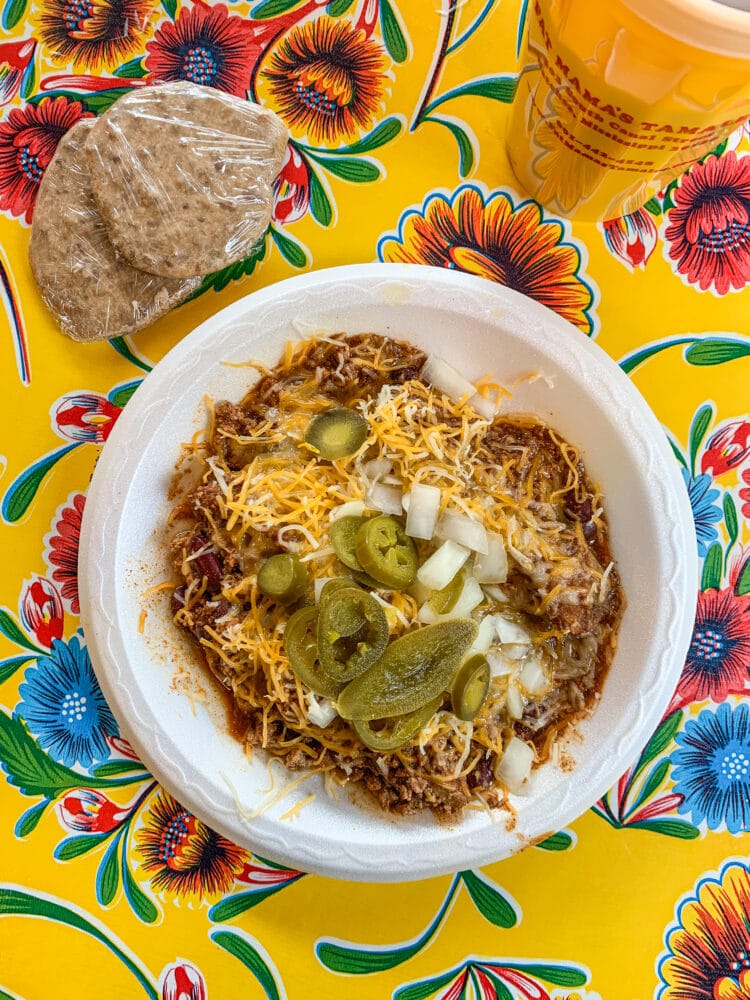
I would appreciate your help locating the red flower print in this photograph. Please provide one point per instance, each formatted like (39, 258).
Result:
(709, 227)
(718, 660)
(87, 811)
(523, 985)
(61, 554)
(205, 45)
(727, 448)
(259, 873)
(745, 494)
(86, 416)
(42, 611)
(28, 140)
(184, 856)
(182, 981)
(292, 188)
(15, 59)
(632, 238)
(94, 34)
(121, 746)
(662, 806)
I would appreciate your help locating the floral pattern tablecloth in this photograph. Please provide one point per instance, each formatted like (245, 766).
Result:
(397, 110)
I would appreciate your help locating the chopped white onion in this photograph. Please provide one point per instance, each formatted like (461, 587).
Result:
(514, 701)
(471, 595)
(422, 505)
(515, 651)
(484, 406)
(445, 378)
(384, 498)
(496, 594)
(438, 571)
(485, 636)
(510, 631)
(533, 677)
(376, 468)
(352, 508)
(319, 583)
(462, 529)
(427, 616)
(500, 665)
(419, 592)
(492, 566)
(514, 769)
(320, 712)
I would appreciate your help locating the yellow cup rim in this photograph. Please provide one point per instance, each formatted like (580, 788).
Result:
(705, 24)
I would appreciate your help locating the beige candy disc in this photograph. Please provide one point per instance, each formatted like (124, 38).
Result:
(183, 176)
(94, 293)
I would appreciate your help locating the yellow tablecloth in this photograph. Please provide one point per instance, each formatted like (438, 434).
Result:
(397, 112)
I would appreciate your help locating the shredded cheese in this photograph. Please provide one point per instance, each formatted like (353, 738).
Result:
(298, 807)
(285, 497)
(268, 801)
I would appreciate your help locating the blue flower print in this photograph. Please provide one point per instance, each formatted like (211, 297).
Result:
(706, 513)
(64, 707)
(712, 767)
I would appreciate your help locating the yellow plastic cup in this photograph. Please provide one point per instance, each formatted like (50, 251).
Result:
(618, 97)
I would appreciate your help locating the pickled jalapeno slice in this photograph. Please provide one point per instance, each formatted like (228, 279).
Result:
(301, 645)
(470, 687)
(444, 601)
(386, 553)
(390, 734)
(336, 583)
(343, 535)
(283, 577)
(352, 633)
(367, 581)
(411, 672)
(337, 433)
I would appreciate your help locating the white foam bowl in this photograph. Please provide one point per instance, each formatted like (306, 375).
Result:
(481, 328)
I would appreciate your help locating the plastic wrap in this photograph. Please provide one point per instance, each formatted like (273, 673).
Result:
(92, 291)
(183, 176)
